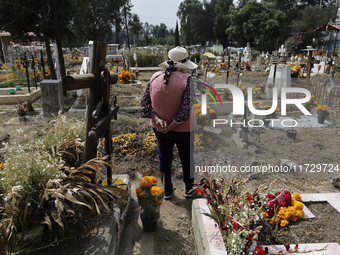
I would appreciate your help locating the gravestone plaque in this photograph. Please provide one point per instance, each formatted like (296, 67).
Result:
(275, 58)
(52, 97)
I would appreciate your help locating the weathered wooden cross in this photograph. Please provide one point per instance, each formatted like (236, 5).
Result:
(99, 110)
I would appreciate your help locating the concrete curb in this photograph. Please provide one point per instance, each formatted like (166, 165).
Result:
(13, 99)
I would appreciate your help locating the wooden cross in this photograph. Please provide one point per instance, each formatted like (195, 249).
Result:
(99, 111)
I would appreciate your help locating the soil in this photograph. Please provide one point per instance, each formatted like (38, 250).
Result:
(312, 146)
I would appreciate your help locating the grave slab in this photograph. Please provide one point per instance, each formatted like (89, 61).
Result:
(209, 239)
(303, 122)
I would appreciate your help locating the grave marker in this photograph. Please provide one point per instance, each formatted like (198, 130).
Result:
(99, 111)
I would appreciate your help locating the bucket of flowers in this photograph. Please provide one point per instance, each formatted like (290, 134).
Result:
(150, 198)
(124, 76)
(203, 120)
(311, 103)
(323, 112)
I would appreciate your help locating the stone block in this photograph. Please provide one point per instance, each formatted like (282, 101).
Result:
(52, 97)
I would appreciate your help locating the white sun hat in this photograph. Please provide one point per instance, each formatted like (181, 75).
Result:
(180, 57)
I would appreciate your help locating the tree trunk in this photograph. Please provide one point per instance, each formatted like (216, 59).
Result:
(117, 33)
(49, 55)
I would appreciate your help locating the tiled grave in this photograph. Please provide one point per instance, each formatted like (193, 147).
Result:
(209, 239)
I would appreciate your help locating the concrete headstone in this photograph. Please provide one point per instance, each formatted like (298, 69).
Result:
(282, 79)
(52, 97)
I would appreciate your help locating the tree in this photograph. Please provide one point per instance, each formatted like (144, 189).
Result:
(258, 23)
(222, 21)
(307, 25)
(135, 26)
(176, 35)
(184, 12)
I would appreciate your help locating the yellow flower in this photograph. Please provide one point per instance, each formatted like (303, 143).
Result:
(275, 221)
(300, 214)
(297, 196)
(212, 111)
(284, 223)
(155, 190)
(205, 122)
(277, 109)
(265, 215)
(267, 106)
(159, 201)
(298, 205)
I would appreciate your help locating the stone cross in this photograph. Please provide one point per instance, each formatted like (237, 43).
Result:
(99, 112)
(282, 51)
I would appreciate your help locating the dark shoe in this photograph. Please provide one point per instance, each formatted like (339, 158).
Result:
(189, 194)
(168, 194)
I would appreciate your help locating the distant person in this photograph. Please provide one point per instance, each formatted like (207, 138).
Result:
(168, 101)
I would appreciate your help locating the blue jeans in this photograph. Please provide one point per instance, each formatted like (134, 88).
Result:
(185, 144)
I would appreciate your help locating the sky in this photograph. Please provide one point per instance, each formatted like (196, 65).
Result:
(156, 12)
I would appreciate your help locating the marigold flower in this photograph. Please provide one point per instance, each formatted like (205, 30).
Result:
(155, 190)
(297, 196)
(300, 214)
(274, 220)
(138, 191)
(284, 223)
(265, 215)
(159, 201)
(141, 194)
(298, 205)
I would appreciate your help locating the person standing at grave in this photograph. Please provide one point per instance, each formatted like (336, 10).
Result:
(168, 101)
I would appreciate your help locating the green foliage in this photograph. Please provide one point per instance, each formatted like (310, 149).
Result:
(176, 35)
(258, 23)
(307, 25)
(196, 56)
(146, 59)
(294, 43)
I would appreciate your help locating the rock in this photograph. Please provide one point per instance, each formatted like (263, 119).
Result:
(177, 229)
(184, 216)
(35, 235)
(336, 182)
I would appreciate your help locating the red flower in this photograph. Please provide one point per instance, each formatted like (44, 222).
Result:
(236, 226)
(287, 246)
(259, 250)
(198, 190)
(249, 198)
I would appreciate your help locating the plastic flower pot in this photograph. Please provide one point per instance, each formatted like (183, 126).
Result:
(18, 87)
(11, 91)
(291, 134)
(321, 120)
(149, 225)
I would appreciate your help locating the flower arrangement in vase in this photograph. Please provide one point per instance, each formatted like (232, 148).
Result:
(311, 103)
(204, 119)
(150, 198)
(322, 112)
(124, 76)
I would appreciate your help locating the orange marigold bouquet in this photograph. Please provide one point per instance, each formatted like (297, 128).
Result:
(124, 76)
(150, 197)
